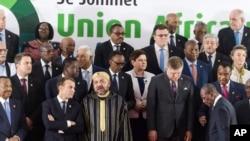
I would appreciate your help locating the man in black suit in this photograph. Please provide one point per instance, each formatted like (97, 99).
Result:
(44, 69)
(70, 69)
(222, 114)
(153, 52)
(30, 92)
(116, 42)
(62, 116)
(200, 29)
(121, 81)
(67, 47)
(9, 38)
(165, 120)
(236, 34)
(176, 40)
(210, 44)
(13, 125)
(242, 107)
(87, 69)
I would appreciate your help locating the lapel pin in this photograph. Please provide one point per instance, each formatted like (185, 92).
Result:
(124, 48)
(122, 77)
(245, 34)
(218, 60)
(69, 106)
(31, 85)
(171, 50)
(201, 66)
(9, 36)
(78, 82)
(232, 92)
(14, 106)
(181, 78)
(56, 68)
(179, 40)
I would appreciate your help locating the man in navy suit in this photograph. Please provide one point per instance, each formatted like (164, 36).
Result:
(242, 107)
(9, 38)
(222, 114)
(13, 125)
(116, 42)
(62, 116)
(122, 82)
(70, 69)
(153, 52)
(170, 104)
(236, 34)
(87, 69)
(210, 44)
(30, 92)
(39, 67)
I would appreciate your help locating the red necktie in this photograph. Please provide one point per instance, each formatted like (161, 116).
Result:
(24, 86)
(224, 91)
(194, 73)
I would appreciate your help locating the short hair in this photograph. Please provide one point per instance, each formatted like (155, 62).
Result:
(190, 42)
(87, 48)
(61, 80)
(113, 26)
(44, 45)
(19, 56)
(135, 54)
(239, 12)
(160, 27)
(238, 47)
(224, 65)
(114, 53)
(209, 89)
(51, 31)
(211, 35)
(175, 62)
(68, 61)
(198, 24)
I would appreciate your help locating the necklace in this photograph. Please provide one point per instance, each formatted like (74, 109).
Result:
(42, 42)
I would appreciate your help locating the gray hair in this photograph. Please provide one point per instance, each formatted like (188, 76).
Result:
(211, 35)
(87, 48)
(199, 23)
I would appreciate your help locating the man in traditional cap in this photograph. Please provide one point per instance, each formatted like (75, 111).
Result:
(105, 112)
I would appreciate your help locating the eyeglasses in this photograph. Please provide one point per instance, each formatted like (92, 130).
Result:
(118, 34)
(3, 50)
(162, 35)
(43, 29)
(119, 63)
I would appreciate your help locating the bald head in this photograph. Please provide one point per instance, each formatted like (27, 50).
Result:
(67, 46)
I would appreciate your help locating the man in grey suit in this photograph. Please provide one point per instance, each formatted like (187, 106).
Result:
(222, 113)
(170, 104)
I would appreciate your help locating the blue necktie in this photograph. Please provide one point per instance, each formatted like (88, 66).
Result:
(162, 58)
(172, 41)
(236, 36)
(114, 83)
(210, 61)
(7, 110)
(1, 37)
(86, 77)
(64, 106)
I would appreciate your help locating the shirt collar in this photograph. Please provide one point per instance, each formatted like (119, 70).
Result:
(43, 63)
(3, 100)
(190, 63)
(60, 99)
(213, 55)
(112, 43)
(226, 84)
(157, 48)
(112, 73)
(216, 99)
(89, 69)
(19, 77)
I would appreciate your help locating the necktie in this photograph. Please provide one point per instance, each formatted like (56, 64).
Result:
(162, 59)
(47, 74)
(1, 37)
(194, 73)
(114, 83)
(210, 61)
(172, 44)
(236, 36)
(117, 47)
(174, 88)
(7, 110)
(86, 77)
(24, 86)
(64, 106)
(224, 91)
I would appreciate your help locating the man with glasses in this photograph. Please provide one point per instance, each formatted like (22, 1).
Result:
(116, 42)
(121, 82)
(6, 68)
(159, 52)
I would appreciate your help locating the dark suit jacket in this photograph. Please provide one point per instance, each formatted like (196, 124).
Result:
(221, 117)
(81, 89)
(163, 110)
(18, 123)
(236, 91)
(103, 50)
(73, 113)
(57, 62)
(12, 44)
(218, 59)
(37, 71)
(242, 110)
(125, 88)
(152, 63)
(180, 41)
(95, 69)
(227, 41)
